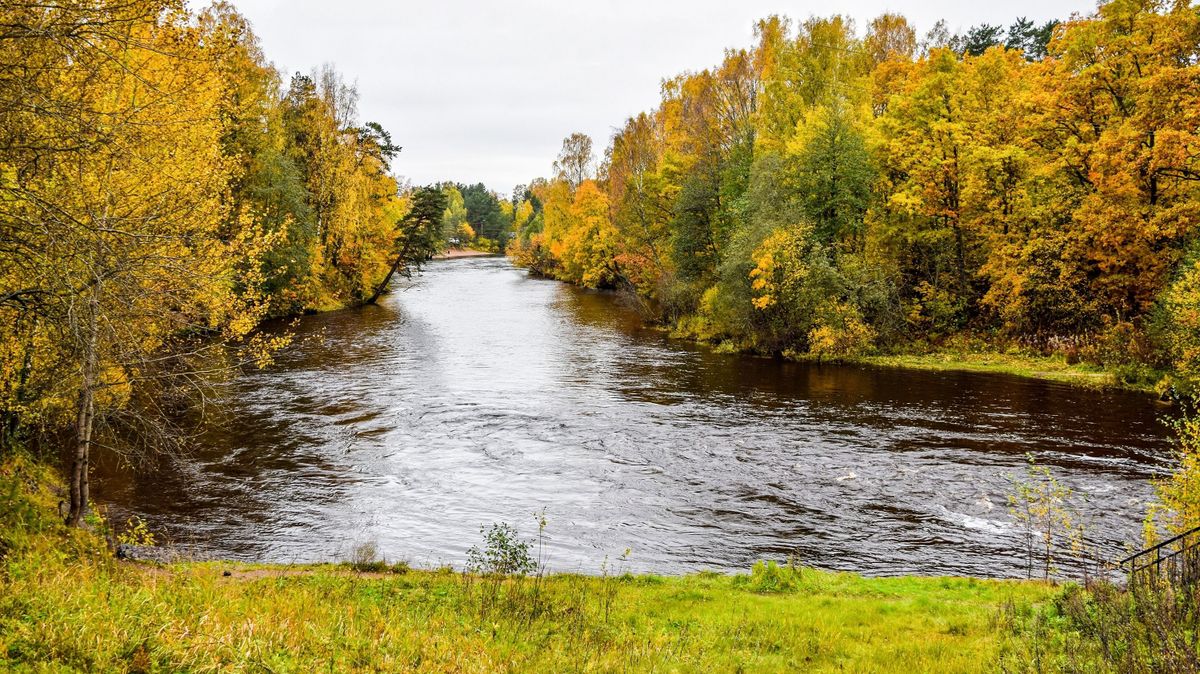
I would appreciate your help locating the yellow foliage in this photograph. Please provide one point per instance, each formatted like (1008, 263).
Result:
(579, 234)
(1179, 495)
(1181, 304)
(840, 333)
(780, 267)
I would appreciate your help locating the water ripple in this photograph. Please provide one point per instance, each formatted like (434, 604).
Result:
(476, 394)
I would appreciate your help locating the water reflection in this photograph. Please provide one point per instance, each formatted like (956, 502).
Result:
(476, 394)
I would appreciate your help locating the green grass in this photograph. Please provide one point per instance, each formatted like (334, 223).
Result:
(1049, 368)
(65, 605)
(117, 617)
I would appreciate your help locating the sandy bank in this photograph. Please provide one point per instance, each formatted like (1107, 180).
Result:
(454, 253)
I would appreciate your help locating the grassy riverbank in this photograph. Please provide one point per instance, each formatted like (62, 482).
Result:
(66, 605)
(973, 355)
(1047, 368)
(114, 617)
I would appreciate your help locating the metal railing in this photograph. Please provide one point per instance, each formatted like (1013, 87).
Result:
(1175, 560)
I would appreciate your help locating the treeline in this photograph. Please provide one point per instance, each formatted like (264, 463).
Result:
(827, 193)
(162, 190)
(476, 217)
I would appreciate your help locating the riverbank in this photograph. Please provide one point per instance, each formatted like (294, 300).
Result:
(456, 253)
(1045, 368)
(67, 605)
(966, 354)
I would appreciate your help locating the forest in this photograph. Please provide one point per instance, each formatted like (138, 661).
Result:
(163, 190)
(829, 192)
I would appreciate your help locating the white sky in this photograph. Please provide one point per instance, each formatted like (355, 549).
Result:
(486, 91)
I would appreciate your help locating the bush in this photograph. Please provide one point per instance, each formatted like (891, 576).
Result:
(503, 553)
(1178, 509)
(840, 334)
(1179, 318)
(1105, 628)
(365, 558)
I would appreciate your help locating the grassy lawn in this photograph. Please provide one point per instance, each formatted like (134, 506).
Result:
(70, 614)
(67, 605)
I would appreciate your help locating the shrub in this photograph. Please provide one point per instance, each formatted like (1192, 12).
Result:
(840, 334)
(137, 532)
(1179, 313)
(365, 559)
(1178, 509)
(504, 553)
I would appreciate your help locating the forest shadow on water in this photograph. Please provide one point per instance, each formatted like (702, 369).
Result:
(477, 394)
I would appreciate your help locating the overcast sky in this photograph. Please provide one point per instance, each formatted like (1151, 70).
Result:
(485, 91)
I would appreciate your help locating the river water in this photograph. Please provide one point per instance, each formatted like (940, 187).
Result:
(476, 394)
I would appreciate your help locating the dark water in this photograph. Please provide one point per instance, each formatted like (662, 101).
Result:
(478, 395)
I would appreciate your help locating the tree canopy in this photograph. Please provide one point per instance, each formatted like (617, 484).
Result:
(1036, 183)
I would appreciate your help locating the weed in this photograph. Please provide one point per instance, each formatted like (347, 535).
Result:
(770, 578)
(137, 532)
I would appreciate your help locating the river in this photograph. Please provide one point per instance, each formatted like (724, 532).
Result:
(476, 394)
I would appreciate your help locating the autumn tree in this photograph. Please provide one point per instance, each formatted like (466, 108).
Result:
(160, 194)
(454, 217)
(575, 160)
(1121, 113)
(1035, 183)
(124, 228)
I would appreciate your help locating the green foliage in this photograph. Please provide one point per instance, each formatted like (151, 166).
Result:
(988, 185)
(834, 178)
(1103, 628)
(485, 215)
(504, 553)
(422, 225)
(982, 37)
(693, 244)
(1042, 507)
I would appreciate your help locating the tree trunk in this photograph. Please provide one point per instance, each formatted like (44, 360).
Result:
(401, 258)
(386, 280)
(85, 415)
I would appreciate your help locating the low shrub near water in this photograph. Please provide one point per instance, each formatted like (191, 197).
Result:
(365, 558)
(504, 553)
(1105, 628)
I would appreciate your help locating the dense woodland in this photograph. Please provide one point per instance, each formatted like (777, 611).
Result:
(830, 192)
(163, 189)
